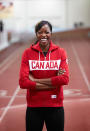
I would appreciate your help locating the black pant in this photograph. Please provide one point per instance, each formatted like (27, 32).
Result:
(53, 117)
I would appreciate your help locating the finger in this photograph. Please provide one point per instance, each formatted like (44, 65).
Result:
(61, 71)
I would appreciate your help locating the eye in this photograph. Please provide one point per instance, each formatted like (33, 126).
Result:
(39, 32)
(47, 32)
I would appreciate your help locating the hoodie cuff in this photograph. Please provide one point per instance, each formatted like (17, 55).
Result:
(33, 85)
(54, 81)
(60, 80)
(27, 84)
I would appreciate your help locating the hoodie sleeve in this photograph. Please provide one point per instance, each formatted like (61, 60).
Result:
(64, 78)
(24, 81)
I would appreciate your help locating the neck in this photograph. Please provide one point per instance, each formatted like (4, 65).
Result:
(44, 48)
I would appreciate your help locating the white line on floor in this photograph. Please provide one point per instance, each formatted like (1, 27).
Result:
(81, 68)
(21, 96)
(15, 106)
(9, 104)
(77, 100)
(8, 61)
(65, 101)
(7, 65)
(9, 58)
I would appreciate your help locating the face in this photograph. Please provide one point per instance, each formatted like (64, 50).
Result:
(44, 35)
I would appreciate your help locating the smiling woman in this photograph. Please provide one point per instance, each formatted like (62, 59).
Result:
(44, 35)
(44, 71)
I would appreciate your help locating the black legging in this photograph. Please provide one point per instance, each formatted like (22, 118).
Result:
(53, 117)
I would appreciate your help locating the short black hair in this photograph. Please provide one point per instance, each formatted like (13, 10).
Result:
(42, 23)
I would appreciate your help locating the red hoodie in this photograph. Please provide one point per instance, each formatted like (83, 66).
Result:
(34, 61)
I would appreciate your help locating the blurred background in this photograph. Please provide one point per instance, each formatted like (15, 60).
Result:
(18, 17)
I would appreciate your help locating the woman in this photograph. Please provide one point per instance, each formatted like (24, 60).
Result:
(43, 72)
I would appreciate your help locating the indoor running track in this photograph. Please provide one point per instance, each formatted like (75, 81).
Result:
(76, 94)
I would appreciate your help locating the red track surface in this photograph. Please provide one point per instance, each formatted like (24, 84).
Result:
(76, 94)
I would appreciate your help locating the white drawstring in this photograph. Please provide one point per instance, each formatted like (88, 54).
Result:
(45, 57)
(39, 55)
(49, 55)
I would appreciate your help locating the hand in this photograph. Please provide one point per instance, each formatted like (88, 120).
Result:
(31, 77)
(61, 71)
(44, 87)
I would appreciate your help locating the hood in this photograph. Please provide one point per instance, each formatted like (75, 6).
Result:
(52, 47)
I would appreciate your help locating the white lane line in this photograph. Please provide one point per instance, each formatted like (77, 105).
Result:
(9, 58)
(17, 96)
(65, 101)
(7, 65)
(7, 62)
(65, 95)
(77, 100)
(9, 104)
(81, 68)
(15, 106)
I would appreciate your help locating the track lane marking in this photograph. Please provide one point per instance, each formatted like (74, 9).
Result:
(7, 65)
(9, 104)
(65, 101)
(9, 58)
(15, 106)
(9, 61)
(17, 96)
(81, 68)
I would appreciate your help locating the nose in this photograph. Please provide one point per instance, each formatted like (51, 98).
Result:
(43, 34)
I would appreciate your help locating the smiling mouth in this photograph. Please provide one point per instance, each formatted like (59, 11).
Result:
(43, 39)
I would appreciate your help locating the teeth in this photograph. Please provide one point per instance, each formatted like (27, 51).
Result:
(44, 39)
